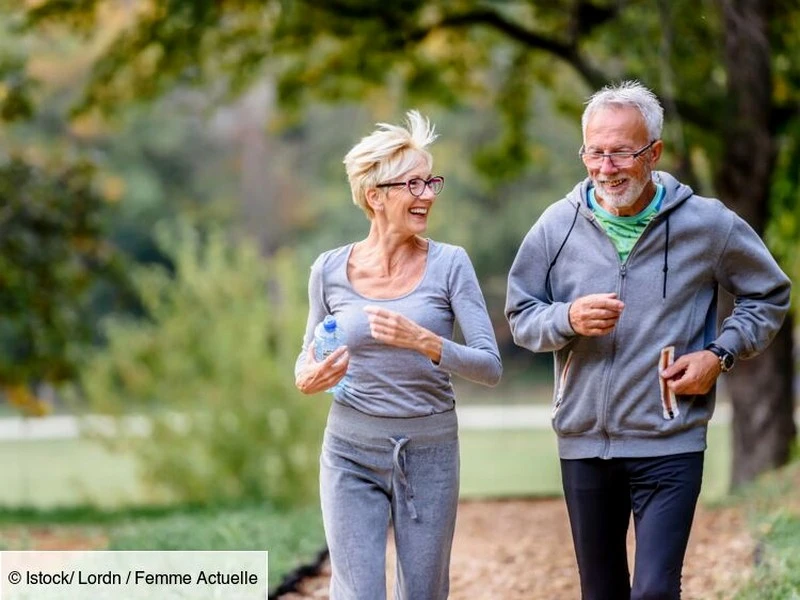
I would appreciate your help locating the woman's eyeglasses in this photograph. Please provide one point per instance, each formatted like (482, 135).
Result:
(416, 186)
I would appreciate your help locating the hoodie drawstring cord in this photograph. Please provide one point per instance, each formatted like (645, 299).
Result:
(666, 260)
(665, 269)
(548, 290)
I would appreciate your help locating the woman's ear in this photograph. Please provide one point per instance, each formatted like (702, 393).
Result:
(374, 199)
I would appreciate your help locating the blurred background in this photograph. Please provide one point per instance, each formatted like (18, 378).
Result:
(170, 169)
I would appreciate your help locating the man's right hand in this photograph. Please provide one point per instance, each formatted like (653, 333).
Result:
(595, 314)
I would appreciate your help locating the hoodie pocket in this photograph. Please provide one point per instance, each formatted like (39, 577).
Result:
(669, 402)
(574, 413)
(563, 379)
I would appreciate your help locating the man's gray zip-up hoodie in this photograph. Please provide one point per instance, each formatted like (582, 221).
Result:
(608, 400)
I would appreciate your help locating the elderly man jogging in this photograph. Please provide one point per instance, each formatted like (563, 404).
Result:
(619, 280)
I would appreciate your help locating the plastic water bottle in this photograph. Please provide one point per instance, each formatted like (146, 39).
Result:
(328, 336)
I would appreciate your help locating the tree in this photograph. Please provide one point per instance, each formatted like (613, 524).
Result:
(725, 70)
(51, 253)
(762, 390)
(210, 366)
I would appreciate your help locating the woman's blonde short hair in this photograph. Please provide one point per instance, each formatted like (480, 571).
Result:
(387, 153)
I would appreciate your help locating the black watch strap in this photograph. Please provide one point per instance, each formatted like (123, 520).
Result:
(726, 359)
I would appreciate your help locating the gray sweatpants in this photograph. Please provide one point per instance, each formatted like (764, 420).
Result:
(377, 470)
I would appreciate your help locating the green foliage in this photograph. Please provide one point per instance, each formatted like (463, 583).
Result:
(507, 158)
(51, 253)
(212, 368)
(777, 575)
(291, 537)
(151, 162)
(156, 45)
(452, 53)
(783, 233)
(16, 88)
(167, 162)
(775, 515)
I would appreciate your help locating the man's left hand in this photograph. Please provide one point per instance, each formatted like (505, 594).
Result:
(693, 373)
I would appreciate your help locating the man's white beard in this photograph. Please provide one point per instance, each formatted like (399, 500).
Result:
(628, 197)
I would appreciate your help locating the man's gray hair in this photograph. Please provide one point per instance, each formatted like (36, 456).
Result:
(628, 93)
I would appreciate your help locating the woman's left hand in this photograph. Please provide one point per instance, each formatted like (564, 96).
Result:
(394, 329)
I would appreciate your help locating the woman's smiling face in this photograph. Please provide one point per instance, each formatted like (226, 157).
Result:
(404, 211)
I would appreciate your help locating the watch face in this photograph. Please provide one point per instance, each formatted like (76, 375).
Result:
(726, 359)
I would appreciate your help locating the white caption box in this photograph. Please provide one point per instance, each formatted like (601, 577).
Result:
(134, 575)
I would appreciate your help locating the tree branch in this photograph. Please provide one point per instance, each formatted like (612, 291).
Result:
(568, 52)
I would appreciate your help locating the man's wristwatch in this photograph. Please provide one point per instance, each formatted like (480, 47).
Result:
(726, 359)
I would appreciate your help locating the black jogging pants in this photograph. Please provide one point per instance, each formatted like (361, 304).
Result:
(661, 492)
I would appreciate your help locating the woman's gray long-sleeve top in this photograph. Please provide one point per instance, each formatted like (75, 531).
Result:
(388, 381)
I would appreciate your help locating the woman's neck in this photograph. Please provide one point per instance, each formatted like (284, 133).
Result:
(386, 251)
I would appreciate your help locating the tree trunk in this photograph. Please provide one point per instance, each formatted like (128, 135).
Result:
(760, 389)
(763, 428)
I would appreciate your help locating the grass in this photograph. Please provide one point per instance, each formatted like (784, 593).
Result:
(514, 462)
(524, 462)
(773, 505)
(777, 576)
(61, 473)
(48, 474)
(291, 537)
(511, 391)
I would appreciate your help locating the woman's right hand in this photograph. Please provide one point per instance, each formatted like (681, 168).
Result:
(321, 375)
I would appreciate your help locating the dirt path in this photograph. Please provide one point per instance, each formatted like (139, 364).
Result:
(56, 537)
(521, 550)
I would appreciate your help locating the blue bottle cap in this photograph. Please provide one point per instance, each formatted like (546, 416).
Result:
(329, 323)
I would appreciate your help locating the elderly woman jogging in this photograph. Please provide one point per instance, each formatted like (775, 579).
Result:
(390, 451)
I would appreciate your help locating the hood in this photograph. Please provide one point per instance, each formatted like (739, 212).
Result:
(675, 194)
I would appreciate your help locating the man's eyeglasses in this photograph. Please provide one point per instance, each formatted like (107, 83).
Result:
(416, 186)
(621, 160)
